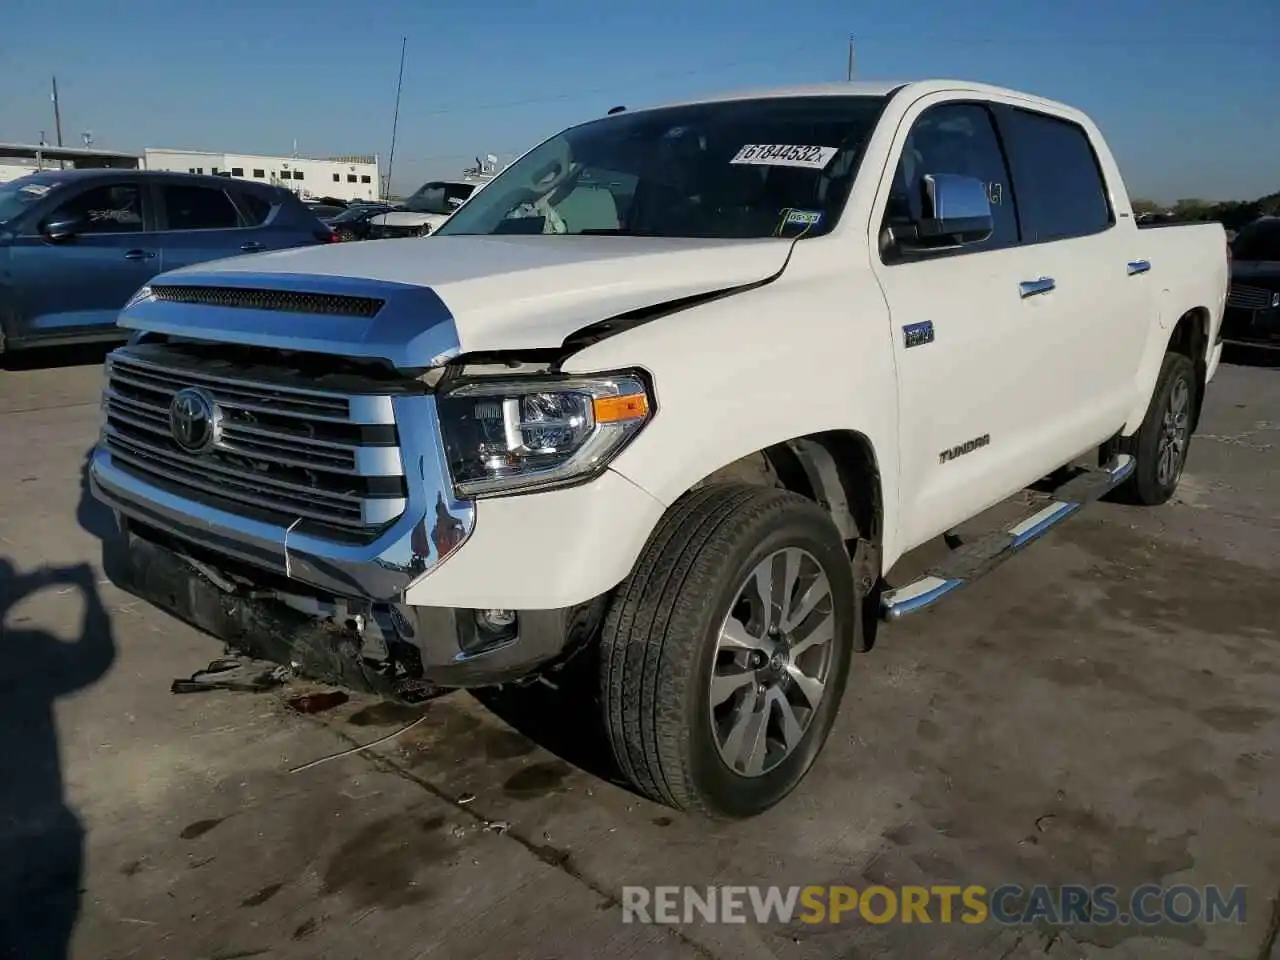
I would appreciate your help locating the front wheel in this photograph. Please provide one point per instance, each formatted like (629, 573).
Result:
(725, 654)
(1161, 444)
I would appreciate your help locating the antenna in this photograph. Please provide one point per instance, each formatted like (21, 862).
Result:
(57, 121)
(851, 58)
(395, 119)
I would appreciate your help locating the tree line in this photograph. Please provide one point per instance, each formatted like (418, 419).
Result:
(1232, 214)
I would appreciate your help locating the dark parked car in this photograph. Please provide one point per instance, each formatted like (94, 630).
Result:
(76, 245)
(353, 223)
(1252, 316)
(326, 211)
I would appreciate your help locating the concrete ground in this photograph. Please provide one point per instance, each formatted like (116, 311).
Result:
(1103, 709)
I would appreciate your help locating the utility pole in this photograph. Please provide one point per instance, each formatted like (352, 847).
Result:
(850, 58)
(395, 120)
(57, 119)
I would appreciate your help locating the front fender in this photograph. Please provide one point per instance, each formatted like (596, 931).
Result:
(803, 355)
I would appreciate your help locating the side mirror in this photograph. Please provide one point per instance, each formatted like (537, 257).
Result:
(60, 228)
(957, 213)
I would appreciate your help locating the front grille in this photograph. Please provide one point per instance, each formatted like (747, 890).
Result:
(322, 462)
(1245, 297)
(284, 301)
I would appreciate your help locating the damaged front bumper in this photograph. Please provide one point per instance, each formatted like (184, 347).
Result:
(382, 647)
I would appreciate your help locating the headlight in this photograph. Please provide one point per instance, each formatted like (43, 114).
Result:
(506, 436)
(142, 296)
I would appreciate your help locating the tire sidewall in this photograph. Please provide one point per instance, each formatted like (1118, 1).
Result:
(1151, 490)
(725, 790)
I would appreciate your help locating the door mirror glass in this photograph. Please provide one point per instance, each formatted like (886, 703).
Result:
(62, 227)
(956, 213)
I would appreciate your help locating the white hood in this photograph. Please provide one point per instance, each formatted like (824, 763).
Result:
(522, 292)
(407, 218)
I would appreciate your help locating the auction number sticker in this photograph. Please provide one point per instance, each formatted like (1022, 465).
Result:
(785, 155)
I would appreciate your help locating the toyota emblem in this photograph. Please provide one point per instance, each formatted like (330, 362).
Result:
(194, 420)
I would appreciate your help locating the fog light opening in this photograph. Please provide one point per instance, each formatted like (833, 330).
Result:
(496, 620)
(490, 629)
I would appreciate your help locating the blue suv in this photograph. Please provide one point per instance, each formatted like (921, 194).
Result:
(76, 245)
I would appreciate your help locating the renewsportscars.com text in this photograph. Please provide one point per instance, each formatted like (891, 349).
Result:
(1009, 904)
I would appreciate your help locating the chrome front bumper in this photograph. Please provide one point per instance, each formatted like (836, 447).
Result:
(433, 525)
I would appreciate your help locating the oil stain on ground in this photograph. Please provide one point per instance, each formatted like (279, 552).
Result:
(388, 863)
(198, 829)
(385, 713)
(536, 780)
(262, 896)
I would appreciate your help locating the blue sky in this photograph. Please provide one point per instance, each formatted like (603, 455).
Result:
(1187, 91)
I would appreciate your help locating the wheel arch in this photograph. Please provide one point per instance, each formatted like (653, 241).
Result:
(840, 471)
(1190, 338)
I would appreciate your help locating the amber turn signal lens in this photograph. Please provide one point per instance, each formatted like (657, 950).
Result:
(631, 406)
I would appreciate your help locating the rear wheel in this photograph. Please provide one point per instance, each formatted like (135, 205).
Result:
(725, 654)
(1161, 444)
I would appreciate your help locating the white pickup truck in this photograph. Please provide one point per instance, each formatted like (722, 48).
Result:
(425, 210)
(677, 391)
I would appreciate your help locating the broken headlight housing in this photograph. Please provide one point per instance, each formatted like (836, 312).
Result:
(530, 433)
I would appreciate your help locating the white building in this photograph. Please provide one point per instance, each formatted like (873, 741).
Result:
(347, 178)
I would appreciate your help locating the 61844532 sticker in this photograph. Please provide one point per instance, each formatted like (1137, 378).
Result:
(784, 155)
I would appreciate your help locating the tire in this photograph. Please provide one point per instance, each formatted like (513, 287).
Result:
(659, 650)
(1157, 471)
(346, 236)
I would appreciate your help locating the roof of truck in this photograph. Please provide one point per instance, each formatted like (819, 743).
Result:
(864, 88)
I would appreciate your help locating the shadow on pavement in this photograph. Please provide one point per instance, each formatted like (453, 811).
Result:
(46, 358)
(93, 516)
(1244, 356)
(41, 838)
(563, 721)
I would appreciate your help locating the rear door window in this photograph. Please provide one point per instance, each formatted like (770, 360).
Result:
(198, 208)
(256, 209)
(1059, 184)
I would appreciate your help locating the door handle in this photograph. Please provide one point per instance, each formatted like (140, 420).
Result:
(1138, 266)
(253, 246)
(140, 255)
(1030, 288)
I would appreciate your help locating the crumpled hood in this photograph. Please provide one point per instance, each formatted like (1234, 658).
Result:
(501, 293)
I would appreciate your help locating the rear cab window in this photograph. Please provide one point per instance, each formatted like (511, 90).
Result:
(191, 207)
(1056, 176)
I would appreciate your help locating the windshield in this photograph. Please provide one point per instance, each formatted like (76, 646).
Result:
(1258, 241)
(737, 169)
(439, 197)
(17, 195)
